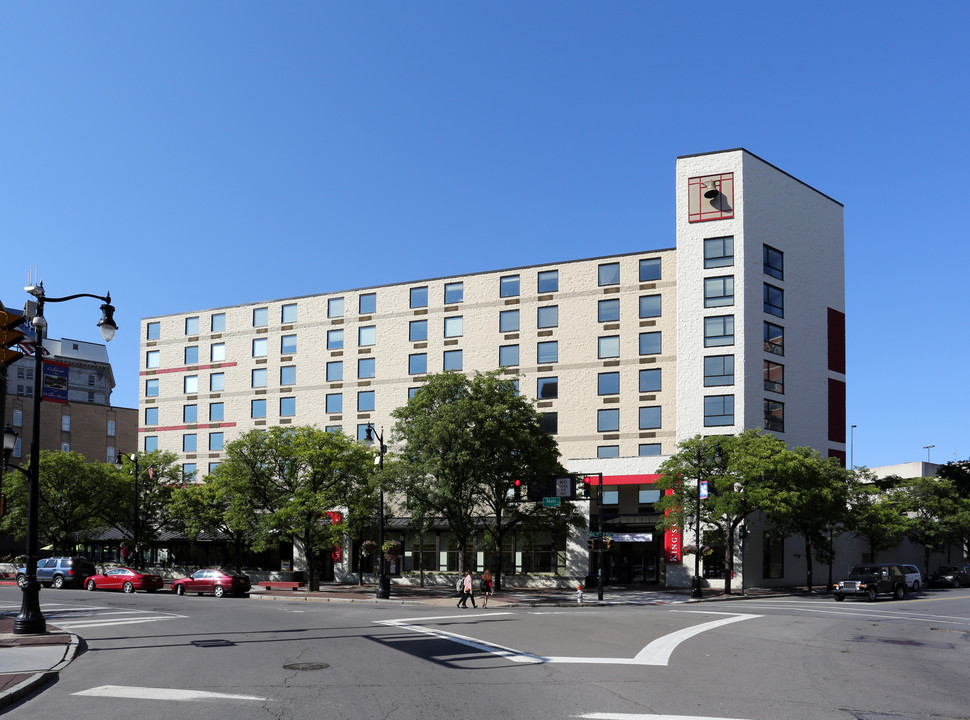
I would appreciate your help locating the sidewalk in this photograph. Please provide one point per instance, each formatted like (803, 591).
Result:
(27, 662)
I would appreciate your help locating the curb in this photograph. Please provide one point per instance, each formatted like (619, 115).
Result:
(35, 682)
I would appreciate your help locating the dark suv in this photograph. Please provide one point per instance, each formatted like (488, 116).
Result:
(59, 572)
(868, 581)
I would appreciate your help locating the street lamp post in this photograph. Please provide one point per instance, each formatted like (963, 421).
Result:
(696, 591)
(120, 464)
(383, 582)
(599, 534)
(31, 620)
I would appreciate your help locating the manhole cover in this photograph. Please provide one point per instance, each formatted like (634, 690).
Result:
(306, 666)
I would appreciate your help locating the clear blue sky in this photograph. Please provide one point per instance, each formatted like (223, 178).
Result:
(187, 155)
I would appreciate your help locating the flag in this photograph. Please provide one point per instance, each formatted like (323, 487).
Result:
(151, 471)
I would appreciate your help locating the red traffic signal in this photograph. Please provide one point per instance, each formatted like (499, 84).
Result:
(517, 489)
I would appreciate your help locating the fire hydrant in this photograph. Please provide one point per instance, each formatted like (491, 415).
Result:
(579, 594)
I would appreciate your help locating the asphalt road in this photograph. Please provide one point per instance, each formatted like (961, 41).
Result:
(814, 659)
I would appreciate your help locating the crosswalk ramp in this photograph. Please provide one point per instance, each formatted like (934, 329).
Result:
(78, 617)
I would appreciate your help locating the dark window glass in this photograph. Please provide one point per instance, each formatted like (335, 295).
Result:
(650, 343)
(549, 423)
(774, 416)
(418, 330)
(650, 380)
(419, 297)
(609, 274)
(774, 300)
(718, 370)
(608, 420)
(608, 311)
(719, 291)
(608, 451)
(454, 293)
(774, 262)
(508, 321)
(608, 383)
(548, 281)
(547, 317)
(650, 418)
(508, 286)
(508, 355)
(718, 410)
(547, 388)
(547, 352)
(368, 304)
(774, 338)
(719, 252)
(774, 377)
(649, 269)
(719, 331)
(650, 306)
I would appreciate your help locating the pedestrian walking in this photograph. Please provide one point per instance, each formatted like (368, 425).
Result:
(485, 586)
(466, 592)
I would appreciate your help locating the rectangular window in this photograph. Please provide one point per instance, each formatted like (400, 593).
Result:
(718, 370)
(548, 281)
(418, 330)
(190, 413)
(288, 375)
(647, 495)
(218, 323)
(335, 371)
(366, 368)
(547, 352)
(774, 301)
(608, 383)
(650, 343)
(774, 338)
(508, 286)
(217, 352)
(417, 364)
(190, 384)
(419, 297)
(260, 347)
(190, 442)
(217, 382)
(549, 423)
(649, 450)
(335, 403)
(649, 269)
(151, 388)
(217, 412)
(774, 377)
(154, 331)
(547, 388)
(288, 313)
(719, 291)
(609, 274)
(335, 339)
(151, 443)
(774, 262)
(287, 406)
(192, 355)
(608, 311)
(608, 420)
(611, 497)
(153, 359)
(508, 321)
(188, 472)
(650, 418)
(192, 326)
(453, 326)
(288, 344)
(257, 409)
(335, 307)
(367, 304)
(719, 331)
(547, 317)
(649, 306)
(608, 451)
(452, 360)
(151, 416)
(365, 401)
(608, 347)
(454, 293)
(650, 380)
(719, 252)
(260, 317)
(508, 355)
(216, 441)
(718, 410)
(259, 378)
(774, 416)
(367, 336)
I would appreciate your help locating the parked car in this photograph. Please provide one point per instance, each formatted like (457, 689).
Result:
(217, 582)
(950, 576)
(58, 572)
(914, 578)
(869, 581)
(126, 579)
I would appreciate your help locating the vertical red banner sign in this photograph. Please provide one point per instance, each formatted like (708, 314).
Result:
(673, 541)
(335, 517)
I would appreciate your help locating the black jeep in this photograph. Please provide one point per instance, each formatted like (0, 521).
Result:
(868, 581)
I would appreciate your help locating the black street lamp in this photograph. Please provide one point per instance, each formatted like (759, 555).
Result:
(120, 464)
(31, 620)
(383, 581)
(696, 592)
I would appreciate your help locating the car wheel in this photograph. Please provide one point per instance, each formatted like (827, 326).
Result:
(21, 581)
(899, 592)
(916, 586)
(128, 587)
(871, 595)
(58, 582)
(90, 585)
(179, 589)
(218, 591)
(839, 597)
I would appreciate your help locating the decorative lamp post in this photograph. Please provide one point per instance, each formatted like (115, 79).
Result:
(31, 620)
(383, 581)
(120, 464)
(696, 592)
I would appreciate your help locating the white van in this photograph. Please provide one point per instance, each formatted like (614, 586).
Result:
(914, 578)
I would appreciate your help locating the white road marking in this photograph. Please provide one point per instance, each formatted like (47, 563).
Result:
(126, 621)
(628, 716)
(147, 693)
(655, 653)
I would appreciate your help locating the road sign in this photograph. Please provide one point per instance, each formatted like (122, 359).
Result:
(551, 502)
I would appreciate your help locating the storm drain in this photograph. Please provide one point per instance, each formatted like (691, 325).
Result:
(306, 666)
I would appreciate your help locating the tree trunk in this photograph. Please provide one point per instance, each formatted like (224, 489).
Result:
(808, 563)
(729, 559)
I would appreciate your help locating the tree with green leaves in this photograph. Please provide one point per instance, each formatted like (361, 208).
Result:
(874, 514)
(289, 477)
(465, 441)
(929, 502)
(159, 474)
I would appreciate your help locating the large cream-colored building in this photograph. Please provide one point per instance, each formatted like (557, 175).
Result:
(739, 323)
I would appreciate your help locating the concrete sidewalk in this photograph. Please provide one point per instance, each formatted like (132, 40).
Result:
(29, 661)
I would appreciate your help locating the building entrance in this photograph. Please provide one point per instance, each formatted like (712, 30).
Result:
(630, 559)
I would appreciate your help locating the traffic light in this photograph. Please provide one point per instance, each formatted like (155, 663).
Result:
(517, 490)
(10, 337)
(586, 488)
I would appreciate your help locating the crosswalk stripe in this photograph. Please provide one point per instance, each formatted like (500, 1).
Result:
(147, 693)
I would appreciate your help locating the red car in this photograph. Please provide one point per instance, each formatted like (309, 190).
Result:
(126, 579)
(216, 582)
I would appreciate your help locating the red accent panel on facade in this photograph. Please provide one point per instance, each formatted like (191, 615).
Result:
(840, 454)
(836, 341)
(622, 479)
(836, 410)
